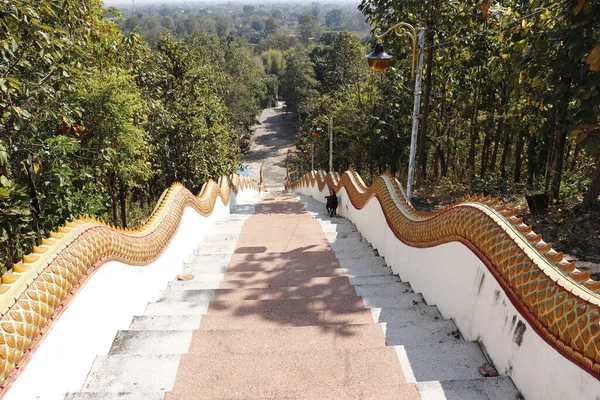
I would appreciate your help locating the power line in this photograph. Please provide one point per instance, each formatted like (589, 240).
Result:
(511, 22)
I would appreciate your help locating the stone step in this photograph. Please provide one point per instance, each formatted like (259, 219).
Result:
(495, 388)
(204, 268)
(267, 293)
(383, 289)
(291, 259)
(370, 261)
(338, 228)
(151, 342)
(441, 361)
(277, 276)
(219, 238)
(273, 261)
(207, 267)
(335, 236)
(415, 333)
(185, 308)
(219, 253)
(365, 280)
(225, 229)
(247, 307)
(274, 318)
(232, 218)
(323, 281)
(302, 338)
(271, 375)
(355, 253)
(403, 300)
(420, 312)
(115, 396)
(290, 282)
(165, 322)
(132, 373)
(212, 249)
(349, 244)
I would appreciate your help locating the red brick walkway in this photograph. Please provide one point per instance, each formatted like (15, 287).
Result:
(290, 326)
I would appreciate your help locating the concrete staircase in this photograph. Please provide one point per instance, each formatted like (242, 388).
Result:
(431, 351)
(247, 331)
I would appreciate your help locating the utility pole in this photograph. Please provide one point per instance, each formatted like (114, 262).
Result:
(330, 144)
(379, 61)
(416, 116)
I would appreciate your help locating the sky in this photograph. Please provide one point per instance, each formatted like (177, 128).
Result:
(266, 3)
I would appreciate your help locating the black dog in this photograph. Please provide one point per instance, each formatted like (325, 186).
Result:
(332, 204)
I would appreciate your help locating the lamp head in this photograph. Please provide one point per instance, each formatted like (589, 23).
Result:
(379, 60)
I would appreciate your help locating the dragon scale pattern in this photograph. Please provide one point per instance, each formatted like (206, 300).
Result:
(35, 292)
(560, 302)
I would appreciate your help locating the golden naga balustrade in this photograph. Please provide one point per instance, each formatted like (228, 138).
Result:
(37, 290)
(560, 302)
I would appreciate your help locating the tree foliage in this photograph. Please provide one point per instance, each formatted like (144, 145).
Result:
(94, 120)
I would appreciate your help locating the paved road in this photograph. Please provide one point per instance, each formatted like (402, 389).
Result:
(271, 141)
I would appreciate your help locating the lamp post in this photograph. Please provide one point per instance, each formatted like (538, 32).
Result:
(379, 61)
(316, 130)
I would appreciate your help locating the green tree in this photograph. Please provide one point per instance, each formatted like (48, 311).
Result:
(333, 19)
(271, 26)
(308, 27)
(111, 125)
(298, 85)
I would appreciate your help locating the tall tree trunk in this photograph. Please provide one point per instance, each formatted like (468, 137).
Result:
(561, 140)
(485, 153)
(574, 158)
(567, 155)
(35, 203)
(558, 164)
(551, 138)
(474, 123)
(499, 129)
(518, 157)
(123, 202)
(503, 159)
(532, 164)
(591, 195)
(440, 164)
(422, 173)
(112, 187)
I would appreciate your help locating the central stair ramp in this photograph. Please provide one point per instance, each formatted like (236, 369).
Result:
(282, 301)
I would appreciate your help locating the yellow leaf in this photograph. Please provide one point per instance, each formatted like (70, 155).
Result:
(586, 95)
(522, 76)
(582, 137)
(579, 6)
(575, 133)
(524, 24)
(485, 10)
(594, 55)
(586, 7)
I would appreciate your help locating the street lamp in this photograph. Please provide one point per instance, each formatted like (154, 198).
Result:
(379, 61)
(316, 131)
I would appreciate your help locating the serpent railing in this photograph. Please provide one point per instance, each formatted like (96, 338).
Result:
(36, 291)
(559, 301)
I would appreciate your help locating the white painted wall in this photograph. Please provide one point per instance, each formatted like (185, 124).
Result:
(106, 304)
(454, 279)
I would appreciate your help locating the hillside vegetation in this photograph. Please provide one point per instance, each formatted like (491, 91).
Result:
(102, 109)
